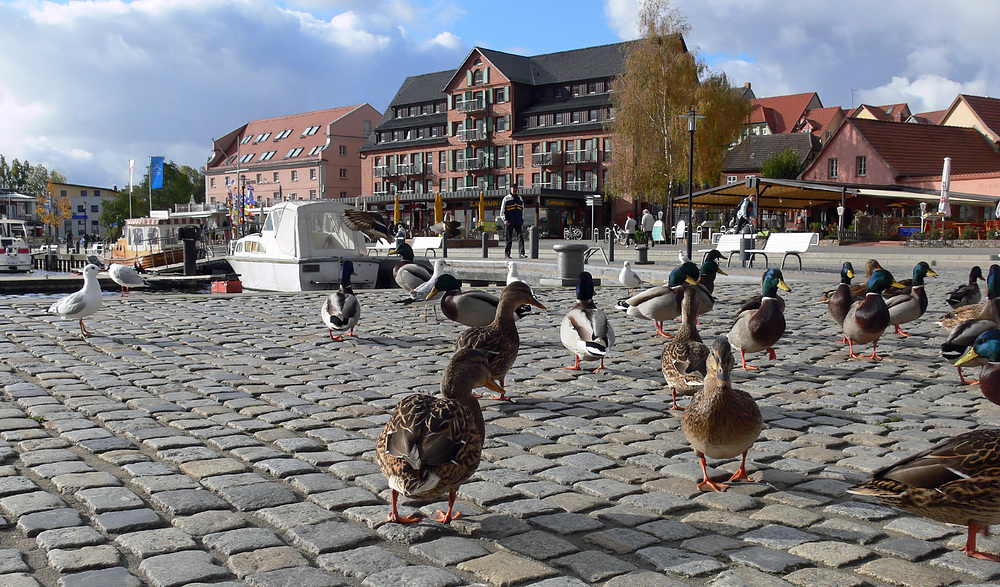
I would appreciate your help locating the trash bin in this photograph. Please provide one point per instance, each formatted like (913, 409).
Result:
(747, 242)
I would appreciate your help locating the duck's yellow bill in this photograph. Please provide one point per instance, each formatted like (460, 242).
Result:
(969, 356)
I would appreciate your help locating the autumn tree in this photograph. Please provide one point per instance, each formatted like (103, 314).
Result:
(660, 81)
(52, 207)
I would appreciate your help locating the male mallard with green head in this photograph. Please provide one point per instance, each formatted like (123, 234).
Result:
(985, 351)
(662, 302)
(585, 330)
(758, 330)
(867, 319)
(341, 311)
(471, 308)
(909, 307)
(683, 358)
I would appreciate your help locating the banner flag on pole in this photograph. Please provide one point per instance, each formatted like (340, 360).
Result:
(131, 167)
(155, 172)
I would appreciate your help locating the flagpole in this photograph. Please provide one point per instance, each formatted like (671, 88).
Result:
(150, 158)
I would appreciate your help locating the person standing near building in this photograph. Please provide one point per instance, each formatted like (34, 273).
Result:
(630, 225)
(512, 208)
(647, 227)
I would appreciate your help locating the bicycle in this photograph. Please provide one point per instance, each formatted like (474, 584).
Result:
(573, 233)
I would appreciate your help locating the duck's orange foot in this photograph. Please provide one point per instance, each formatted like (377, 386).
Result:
(505, 398)
(982, 555)
(444, 518)
(740, 475)
(712, 486)
(395, 517)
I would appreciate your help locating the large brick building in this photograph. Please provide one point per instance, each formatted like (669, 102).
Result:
(498, 118)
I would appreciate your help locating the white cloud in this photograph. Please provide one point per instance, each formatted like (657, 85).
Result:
(621, 16)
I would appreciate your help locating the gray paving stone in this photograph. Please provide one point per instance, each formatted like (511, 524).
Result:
(181, 568)
(230, 542)
(766, 559)
(415, 576)
(538, 545)
(27, 503)
(297, 576)
(204, 523)
(258, 496)
(778, 537)
(679, 562)
(449, 551)
(360, 562)
(33, 524)
(83, 558)
(184, 502)
(646, 579)
(263, 560)
(503, 569)
(832, 554)
(117, 576)
(147, 543)
(825, 577)
(567, 523)
(594, 566)
(328, 536)
(12, 561)
(127, 521)
(69, 538)
(107, 499)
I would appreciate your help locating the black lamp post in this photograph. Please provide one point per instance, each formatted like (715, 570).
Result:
(692, 117)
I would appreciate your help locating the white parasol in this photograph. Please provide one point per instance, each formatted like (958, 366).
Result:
(944, 206)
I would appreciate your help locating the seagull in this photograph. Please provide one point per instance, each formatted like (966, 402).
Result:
(421, 292)
(630, 279)
(82, 303)
(127, 277)
(512, 275)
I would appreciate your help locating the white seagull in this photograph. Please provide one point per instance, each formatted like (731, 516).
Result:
(83, 303)
(127, 277)
(512, 275)
(630, 279)
(421, 292)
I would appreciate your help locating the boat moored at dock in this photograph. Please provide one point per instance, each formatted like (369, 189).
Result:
(14, 244)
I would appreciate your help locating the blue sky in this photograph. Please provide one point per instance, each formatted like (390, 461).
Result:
(87, 85)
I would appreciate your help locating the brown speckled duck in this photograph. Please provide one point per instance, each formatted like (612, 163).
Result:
(431, 445)
(720, 421)
(956, 482)
(968, 294)
(683, 358)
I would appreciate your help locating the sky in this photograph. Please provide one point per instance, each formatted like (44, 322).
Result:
(87, 85)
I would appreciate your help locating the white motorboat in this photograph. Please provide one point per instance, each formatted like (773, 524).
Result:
(14, 244)
(300, 248)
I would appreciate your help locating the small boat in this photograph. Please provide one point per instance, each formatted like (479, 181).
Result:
(155, 241)
(300, 247)
(14, 243)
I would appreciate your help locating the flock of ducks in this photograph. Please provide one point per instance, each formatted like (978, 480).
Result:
(433, 444)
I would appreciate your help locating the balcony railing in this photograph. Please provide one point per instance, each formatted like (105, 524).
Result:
(409, 168)
(384, 170)
(471, 189)
(471, 164)
(582, 185)
(472, 135)
(581, 156)
(549, 159)
(471, 105)
(375, 193)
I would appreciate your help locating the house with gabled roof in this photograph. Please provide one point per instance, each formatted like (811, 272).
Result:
(821, 122)
(745, 160)
(979, 112)
(780, 114)
(889, 112)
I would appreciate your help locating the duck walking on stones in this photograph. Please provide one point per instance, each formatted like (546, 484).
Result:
(500, 336)
(585, 330)
(341, 310)
(759, 330)
(471, 308)
(82, 303)
(968, 294)
(840, 300)
(662, 302)
(868, 318)
(683, 359)
(431, 445)
(954, 482)
(907, 308)
(720, 421)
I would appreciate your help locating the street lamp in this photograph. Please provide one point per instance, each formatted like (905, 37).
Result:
(692, 117)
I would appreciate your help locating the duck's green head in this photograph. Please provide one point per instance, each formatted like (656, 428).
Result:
(403, 250)
(710, 267)
(686, 273)
(846, 273)
(585, 286)
(986, 345)
(920, 271)
(993, 282)
(772, 280)
(882, 280)
(714, 255)
(446, 282)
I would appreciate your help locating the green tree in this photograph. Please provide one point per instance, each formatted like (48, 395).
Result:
(180, 183)
(660, 81)
(782, 165)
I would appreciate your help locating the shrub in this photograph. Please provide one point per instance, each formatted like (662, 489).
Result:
(969, 233)
(950, 234)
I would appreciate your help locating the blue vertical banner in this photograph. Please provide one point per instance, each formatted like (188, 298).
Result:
(155, 172)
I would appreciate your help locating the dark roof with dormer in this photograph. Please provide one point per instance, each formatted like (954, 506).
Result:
(751, 153)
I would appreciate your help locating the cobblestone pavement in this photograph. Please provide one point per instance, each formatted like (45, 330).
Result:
(225, 440)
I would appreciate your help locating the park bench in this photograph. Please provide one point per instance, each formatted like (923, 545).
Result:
(426, 243)
(381, 246)
(728, 245)
(786, 243)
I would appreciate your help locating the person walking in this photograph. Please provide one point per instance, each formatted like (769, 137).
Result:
(647, 227)
(630, 225)
(512, 208)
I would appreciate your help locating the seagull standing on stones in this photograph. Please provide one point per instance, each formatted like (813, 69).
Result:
(630, 279)
(512, 275)
(83, 303)
(127, 277)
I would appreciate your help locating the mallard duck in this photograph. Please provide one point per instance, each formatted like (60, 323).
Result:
(127, 277)
(709, 269)
(471, 308)
(720, 421)
(341, 310)
(83, 303)
(683, 358)
(450, 227)
(758, 330)
(857, 290)
(953, 318)
(754, 302)
(907, 308)
(371, 225)
(986, 351)
(512, 274)
(955, 482)
(964, 334)
(500, 337)
(662, 302)
(868, 318)
(629, 278)
(585, 330)
(839, 301)
(968, 294)
(408, 274)
(431, 445)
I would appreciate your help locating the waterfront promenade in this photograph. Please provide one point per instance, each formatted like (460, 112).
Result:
(225, 440)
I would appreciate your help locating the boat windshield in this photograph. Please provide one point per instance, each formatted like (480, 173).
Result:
(273, 220)
(12, 230)
(328, 232)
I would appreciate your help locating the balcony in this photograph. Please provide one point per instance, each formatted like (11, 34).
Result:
(582, 185)
(581, 156)
(471, 106)
(472, 190)
(550, 159)
(476, 164)
(472, 135)
(384, 170)
(409, 168)
(377, 194)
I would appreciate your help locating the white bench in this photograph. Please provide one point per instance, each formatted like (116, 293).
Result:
(786, 243)
(728, 245)
(426, 243)
(381, 246)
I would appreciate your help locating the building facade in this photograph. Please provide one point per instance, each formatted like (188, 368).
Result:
(306, 156)
(86, 204)
(498, 119)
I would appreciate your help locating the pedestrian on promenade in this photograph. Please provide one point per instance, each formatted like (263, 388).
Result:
(512, 208)
(630, 225)
(647, 227)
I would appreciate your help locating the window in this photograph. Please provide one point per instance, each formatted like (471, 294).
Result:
(477, 77)
(559, 117)
(343, 194)
(592, 88)
(367, 128)
(519, 156)
(94, 208)
(230, 160)
(295, 175)
(246, 158)
(832, 162)
(312, 194)
(442, 161)
(592, 115)
(62, 193)
(283, 134)
(501, 123)
(294, 152)
(246, 139)
(862, 165)
(260, 178)
(312, 174)
(576, 116)
(732, 179)
(83, 193)
(276, 180)
(343, 149)
(81, 208)
(267, 156)
(502, 156)
(310, 130)
(97, 193)
(607, 150)
(211, 182)
(315, 150)
(262, 137)
(343, 173)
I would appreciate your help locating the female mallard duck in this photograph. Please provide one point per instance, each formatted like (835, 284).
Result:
(500, 337)
(985, 351)
(867, 319)
(758, 330)
(683, 359)
(431, 445)
(471, 308)
(840, 300)
(907, 308)
(341, 311)
(958, 315)
(662, 302)
(585, 330)
(954, 482)
(968, 294)
(720, 421)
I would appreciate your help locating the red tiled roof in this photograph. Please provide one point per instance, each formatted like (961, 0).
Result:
(297, 123)
(888, 112)
(988, 110)
(920, 149)
(763, 114)
(818, 119)
(932, 117)
(788, 109)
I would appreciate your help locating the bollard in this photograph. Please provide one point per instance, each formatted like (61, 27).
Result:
(569, 262)
(444, 243)
(611, 249)
(533, 241)
(486, 244)
(642, 255)
(189, 236)
(746, 243)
